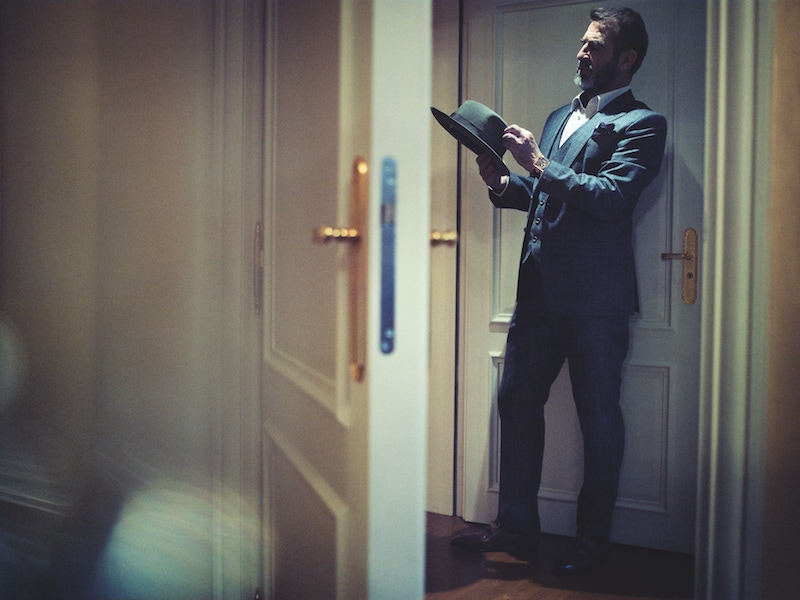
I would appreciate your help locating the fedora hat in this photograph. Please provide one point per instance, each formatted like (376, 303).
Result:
(478, 127)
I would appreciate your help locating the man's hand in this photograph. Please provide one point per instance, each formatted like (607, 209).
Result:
(523, 147)
(490, 174)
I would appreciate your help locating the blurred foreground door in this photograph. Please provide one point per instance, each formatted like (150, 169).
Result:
(345, 353)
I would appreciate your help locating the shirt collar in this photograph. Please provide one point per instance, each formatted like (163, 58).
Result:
(598, 102)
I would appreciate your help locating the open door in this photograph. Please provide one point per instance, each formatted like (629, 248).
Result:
(346, 255)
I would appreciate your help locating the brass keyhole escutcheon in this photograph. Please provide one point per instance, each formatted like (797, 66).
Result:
(689, 258)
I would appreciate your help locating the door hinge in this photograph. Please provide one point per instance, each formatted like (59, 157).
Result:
(258, 269)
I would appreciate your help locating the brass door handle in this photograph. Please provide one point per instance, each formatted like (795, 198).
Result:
(448, 238)
(676, 256)
(689, 258)
(357, 272)
(325, 234)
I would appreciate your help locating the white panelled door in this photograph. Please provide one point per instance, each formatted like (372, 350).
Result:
(520, 59)
(345, 356)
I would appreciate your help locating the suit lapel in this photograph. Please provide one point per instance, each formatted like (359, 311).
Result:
(567, 153)
(548, 145)
(552, 131)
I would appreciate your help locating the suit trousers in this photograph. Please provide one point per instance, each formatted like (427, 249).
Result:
(539, 341)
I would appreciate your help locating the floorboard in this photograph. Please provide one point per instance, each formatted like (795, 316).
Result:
(630, 573)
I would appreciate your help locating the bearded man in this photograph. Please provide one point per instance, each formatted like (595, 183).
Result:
(576, 286)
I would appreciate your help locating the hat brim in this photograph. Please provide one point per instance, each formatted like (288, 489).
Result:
(468, 138)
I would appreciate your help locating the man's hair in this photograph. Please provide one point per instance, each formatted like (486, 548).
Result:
(628, 29)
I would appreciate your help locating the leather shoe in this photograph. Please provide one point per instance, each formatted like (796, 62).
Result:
(584, 554)
(493, 538)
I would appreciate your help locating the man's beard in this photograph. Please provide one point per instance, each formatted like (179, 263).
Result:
(598, 81)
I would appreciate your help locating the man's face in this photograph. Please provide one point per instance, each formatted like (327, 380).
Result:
(597, 64)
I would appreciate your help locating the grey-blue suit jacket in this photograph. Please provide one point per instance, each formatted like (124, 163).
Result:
(580, 209)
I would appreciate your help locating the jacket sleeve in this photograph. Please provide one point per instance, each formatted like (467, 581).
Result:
(614, 170)
(517, 194)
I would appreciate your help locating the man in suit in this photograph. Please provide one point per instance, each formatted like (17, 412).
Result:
(576, 287)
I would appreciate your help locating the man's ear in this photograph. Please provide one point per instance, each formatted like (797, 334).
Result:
(626, 60)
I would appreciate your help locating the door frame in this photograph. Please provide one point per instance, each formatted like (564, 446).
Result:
(238, 89)
(444, 266)
(734, 337)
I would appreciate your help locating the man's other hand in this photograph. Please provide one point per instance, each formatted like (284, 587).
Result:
(489, 173)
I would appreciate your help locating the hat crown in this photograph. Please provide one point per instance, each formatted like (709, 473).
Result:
(478, 127)
(484, 123)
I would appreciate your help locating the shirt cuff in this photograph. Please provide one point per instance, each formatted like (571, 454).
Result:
(502, 191)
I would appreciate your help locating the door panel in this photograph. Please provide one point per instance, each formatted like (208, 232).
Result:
(527, 47)
(309, 435)
(344, 468)
(444, 217)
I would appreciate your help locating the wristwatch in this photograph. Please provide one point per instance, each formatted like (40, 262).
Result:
(539, 164)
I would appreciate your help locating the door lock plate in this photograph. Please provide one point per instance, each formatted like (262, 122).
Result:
(689, 258)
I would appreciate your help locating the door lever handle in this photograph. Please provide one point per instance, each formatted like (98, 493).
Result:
(689, 258)
(448, 238)
(325, 234)
(357, 270)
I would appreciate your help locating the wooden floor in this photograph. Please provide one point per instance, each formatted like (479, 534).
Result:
(630, 573)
